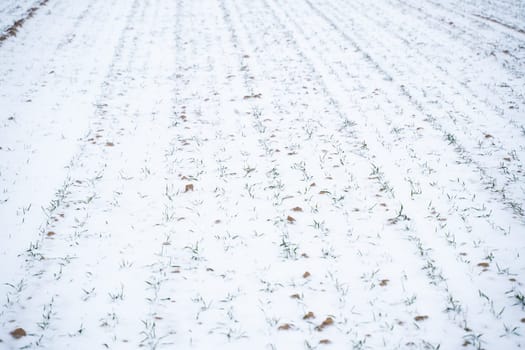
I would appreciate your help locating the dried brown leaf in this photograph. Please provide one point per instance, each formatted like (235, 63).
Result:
(327, 322)
(285, 327)
(18, 333)
(308, 315)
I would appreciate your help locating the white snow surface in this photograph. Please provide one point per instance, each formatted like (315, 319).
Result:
(263, 174)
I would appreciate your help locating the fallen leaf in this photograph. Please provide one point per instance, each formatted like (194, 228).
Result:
(306, 274)
(324, 341)
(420, 318)
(290, 219)
(323, 192)
(285, 327)
(327, 322)
(383, 283)
(297, 209)
(483, 264)
(51, 233)
(18, 333)
(110, 144)
(295, 296)
(189, 187)
(309, 315)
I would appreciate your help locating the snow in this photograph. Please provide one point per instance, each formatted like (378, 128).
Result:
(204, 174)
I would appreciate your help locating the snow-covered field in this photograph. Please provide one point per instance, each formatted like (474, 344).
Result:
(262, 174)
